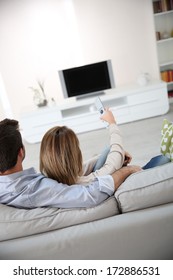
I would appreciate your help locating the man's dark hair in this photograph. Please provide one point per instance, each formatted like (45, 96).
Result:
(10, 144)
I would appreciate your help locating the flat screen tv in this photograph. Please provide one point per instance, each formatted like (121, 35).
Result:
(86, 80)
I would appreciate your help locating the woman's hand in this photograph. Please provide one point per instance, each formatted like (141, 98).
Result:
(108, 116)
(127, 158)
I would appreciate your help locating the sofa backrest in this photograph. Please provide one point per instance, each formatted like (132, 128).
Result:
(141, 190)
(16, 223)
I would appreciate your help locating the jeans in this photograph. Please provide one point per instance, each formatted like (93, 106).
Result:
(155, 161)
(101, 160)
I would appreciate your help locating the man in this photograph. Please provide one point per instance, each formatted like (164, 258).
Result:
(28, 189)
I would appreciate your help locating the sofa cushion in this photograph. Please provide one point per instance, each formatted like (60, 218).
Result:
(16, 223)
(146, 188)
(166, 146)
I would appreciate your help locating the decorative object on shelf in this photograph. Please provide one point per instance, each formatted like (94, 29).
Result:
(52, 102)
(165, 35)
(39, 97)
(158, 37)
(143, 79)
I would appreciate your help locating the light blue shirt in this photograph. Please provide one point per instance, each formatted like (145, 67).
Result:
(28, 189)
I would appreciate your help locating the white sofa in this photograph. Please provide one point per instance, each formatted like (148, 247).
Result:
(136, 223)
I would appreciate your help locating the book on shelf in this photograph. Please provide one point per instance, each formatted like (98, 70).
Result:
(171, 4)
(170, 75)
(165, 5)
(167, 75)
(157, 7)
(170, 94)
(164, 76)
(162, 6)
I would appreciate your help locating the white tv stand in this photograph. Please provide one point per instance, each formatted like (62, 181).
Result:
(128, 103)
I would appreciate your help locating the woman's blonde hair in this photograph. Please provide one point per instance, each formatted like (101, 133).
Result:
(60, 155)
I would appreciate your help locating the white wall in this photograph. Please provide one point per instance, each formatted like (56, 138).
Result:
(122, 30)
(5, 107)
(39, 37)
(2, 114)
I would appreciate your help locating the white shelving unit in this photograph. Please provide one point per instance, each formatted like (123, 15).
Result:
(128, 103)
(164, 25)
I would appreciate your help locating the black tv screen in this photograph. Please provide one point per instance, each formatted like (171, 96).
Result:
(87, 79)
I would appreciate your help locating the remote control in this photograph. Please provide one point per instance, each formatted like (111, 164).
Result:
(99, 105)
(101, 109)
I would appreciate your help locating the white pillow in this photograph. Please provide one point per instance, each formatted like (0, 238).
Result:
(146, 188)
(16, 223)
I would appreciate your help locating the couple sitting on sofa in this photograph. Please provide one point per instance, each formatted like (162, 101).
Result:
(64, 181)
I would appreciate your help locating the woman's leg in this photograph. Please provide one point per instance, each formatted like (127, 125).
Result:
(156, 161)
(102, 158)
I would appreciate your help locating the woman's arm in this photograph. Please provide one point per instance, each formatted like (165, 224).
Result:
(115, 158)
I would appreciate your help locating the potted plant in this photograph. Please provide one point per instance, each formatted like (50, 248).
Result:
(39, 95)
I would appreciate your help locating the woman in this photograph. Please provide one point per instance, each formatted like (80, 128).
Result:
(61, 157)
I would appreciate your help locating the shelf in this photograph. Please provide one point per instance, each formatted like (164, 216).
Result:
(118, 102)
(128, 103)
(163, 28)
(166, 63)
(165, 40)
(163, 13)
